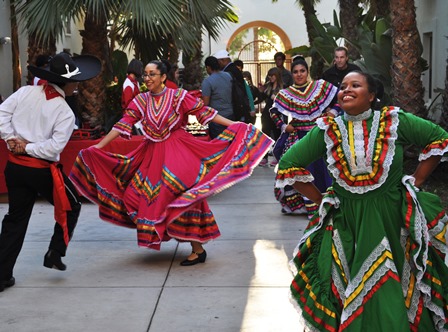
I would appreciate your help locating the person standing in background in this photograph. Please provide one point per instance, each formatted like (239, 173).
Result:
(269, 92)
(172, 77)
(336, 73)
(240, 100)
(131, 85)
(286, 75)
(240, 65)
(217, 93)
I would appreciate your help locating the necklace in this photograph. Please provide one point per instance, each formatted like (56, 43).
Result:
(160, 92)
(297, 86)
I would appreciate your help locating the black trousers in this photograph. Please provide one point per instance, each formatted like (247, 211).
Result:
(24, 185)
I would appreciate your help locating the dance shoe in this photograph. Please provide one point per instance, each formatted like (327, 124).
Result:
(200, 259)
(52, 260)
(7, 283)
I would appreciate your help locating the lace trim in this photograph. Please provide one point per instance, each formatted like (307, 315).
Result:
(290, 181)
(419, 258)
(386, 266)
(339, 176)
(341, 253)
(434, 152)
(363, 116)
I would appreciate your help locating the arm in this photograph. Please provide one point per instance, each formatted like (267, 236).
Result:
(425, 168)
(113, 134)
(291, 168)
(206, 100)
(222, 120)
(309, 190)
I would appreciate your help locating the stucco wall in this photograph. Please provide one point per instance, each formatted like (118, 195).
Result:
(285, 14)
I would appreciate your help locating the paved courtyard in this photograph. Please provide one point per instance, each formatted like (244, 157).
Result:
(113, 285)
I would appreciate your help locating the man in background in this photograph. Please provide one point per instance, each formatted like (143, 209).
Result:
(240, 100)
(336, 73)
(287, 79)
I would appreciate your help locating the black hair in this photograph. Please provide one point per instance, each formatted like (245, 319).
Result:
(42, 60)
(276, 55)
(212, 62)
(239, 63)
(135, 67)
(160, 66)
(374, 86)
(299, 61)
(167, 64)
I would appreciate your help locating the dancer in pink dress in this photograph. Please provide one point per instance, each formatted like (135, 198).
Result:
(161, 187)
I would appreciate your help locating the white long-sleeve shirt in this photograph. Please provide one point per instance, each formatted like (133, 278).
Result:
(46, 124)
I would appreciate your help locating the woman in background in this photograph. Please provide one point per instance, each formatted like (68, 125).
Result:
(303, 102)
(268, 93)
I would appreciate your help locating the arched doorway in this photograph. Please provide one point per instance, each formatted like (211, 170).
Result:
(258, 54)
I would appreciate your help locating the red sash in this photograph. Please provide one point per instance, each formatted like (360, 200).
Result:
(61, 202)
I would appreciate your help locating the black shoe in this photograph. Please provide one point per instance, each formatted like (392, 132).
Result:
(7, 283)
(52, 260)
(201, 259)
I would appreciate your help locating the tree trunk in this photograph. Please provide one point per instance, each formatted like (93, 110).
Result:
(16, 69)
(92, 93)
(380, 8)
(349, 22)
(407, 87)
(192, 73)
(317, 64)
(35, 49)
(445, 100)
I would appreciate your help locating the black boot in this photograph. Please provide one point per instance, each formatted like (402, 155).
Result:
(52, 260)
(7, 283)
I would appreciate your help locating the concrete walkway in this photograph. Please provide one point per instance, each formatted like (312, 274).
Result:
(113, 285)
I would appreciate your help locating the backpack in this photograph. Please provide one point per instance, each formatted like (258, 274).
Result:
(240, 102)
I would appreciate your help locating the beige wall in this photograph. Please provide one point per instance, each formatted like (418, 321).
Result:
(284, 15)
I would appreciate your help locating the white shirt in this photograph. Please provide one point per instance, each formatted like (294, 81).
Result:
(46, 124)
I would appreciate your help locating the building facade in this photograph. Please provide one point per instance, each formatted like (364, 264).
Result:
(284, 18)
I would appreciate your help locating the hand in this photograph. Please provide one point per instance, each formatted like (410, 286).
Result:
(17, 145)
(289, 128)
(11, 144)
(252, 114)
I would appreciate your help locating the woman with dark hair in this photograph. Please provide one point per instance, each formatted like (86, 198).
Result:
(303, 102)
(373, 258)
(131, 86)
(268, 92)
(161, 188)
(171, 79)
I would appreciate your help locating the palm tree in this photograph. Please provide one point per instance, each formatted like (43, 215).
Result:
(407, 87)
(349, 16)
(153, 19)
(317, 64)
(16, 71)
(445, 99)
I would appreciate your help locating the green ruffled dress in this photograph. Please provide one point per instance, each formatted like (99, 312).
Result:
(372, 259)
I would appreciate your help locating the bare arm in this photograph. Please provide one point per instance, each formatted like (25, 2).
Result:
(309, 190)
(222, 120)
(113, 134)
(425, 168)
(206, 100)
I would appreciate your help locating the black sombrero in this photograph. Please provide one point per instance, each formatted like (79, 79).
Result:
(63, 68)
